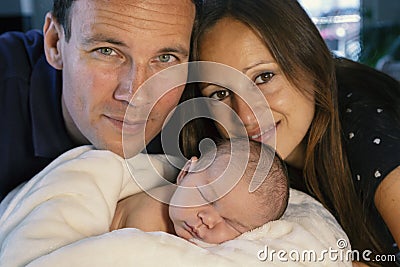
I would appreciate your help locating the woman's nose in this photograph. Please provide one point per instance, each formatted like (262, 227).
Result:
(245, 113)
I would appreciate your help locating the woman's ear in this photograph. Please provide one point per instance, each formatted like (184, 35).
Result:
(185, 170)
(53, 32)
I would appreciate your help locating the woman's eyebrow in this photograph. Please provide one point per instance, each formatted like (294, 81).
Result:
(204, 86)
(255, 64)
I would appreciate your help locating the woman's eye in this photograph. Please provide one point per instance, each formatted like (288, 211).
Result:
(264, 77)
(220, 95)
(166, 58)
(107, 51)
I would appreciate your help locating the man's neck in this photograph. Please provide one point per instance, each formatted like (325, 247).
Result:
(72, 130)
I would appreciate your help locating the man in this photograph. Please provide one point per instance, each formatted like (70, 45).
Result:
(96, 55)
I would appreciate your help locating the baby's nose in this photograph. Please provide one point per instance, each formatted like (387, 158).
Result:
(209, 217)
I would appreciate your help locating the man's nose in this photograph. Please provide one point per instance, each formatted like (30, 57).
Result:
(130, 83)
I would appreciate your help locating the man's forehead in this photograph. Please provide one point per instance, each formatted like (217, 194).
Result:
(166, 7)
(140, 13)
(171, 7)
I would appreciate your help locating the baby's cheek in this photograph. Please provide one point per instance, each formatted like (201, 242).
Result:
(182, 233)
(177, 214)
(221, 234)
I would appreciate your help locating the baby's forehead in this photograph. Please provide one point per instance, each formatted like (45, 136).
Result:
(220, 169)
(211, 165)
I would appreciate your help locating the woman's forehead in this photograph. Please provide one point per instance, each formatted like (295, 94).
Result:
(232, 40)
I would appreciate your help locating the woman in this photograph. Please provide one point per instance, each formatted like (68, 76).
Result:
(340, 139)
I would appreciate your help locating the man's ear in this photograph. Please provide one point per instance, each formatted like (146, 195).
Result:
(185, 170)
(53, 32)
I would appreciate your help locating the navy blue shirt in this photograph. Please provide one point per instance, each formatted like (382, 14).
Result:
(33, 131)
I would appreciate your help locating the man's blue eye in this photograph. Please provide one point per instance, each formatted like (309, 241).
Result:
(165, 58)
(106, 51)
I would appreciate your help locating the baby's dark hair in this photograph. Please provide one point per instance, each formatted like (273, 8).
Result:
(265, 172)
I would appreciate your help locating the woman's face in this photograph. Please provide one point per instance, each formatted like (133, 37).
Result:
(233, 43)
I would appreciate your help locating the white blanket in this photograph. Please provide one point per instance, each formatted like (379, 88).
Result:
(61, 217)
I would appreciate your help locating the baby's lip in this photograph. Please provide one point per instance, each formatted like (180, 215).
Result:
(191, 229)
(188, 228)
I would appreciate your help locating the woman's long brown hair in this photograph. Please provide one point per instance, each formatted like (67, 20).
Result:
(304, 58)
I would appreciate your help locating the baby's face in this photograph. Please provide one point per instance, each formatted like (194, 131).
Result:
(215, 221)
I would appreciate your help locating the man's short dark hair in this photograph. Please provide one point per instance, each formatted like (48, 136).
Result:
(62, 9)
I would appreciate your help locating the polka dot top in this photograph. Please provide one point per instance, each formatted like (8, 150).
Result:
(371, 133)
(370, 138)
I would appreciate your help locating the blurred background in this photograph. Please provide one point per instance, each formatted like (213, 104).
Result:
(367, 31)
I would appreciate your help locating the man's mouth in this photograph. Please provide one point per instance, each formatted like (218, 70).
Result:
(128, 126)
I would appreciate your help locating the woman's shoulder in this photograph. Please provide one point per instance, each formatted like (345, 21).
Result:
(358, 82)
(369, 111)
(366, 97)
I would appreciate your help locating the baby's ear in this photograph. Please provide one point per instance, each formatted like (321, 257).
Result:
(185, 170)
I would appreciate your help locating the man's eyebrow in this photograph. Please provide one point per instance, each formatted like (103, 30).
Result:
(100, 38)
(177, 49)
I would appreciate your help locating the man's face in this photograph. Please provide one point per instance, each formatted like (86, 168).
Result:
(115, 46)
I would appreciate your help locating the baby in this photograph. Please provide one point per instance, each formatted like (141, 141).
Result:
(210, 212)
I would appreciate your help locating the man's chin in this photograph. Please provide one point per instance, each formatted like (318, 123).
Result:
(130, 152)
(126, 147)
(124, 151)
